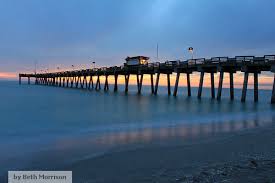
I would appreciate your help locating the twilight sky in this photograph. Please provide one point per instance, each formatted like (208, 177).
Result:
(65, 32)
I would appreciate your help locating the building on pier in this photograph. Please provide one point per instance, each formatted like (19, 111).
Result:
(135, 61)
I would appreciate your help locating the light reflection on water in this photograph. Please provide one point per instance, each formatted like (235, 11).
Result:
(178, 132)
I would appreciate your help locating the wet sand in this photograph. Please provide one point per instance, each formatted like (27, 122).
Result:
(246, 156)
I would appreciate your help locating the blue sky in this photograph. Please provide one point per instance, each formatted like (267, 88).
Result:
(65, 32)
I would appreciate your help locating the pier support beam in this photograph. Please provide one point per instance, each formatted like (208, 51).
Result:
(72, 81)
(77, 81)
(81, 82)
(115, 86)
(29, 80)
(231, 78)
(212, 85)
(157, 84)
(91, 82)
(98, 87)
(256, 87)
(49, 81)
(168, 84)
(246, 74)
(64, 79)
(152, 84)
(273, 92)
(67, 82)
(106, 85)
(176, 84)
(188, 85)
(220, 86)
(60, 81)
(127, 78)
(201, 85)
(20, 80)
(84, 83)
(140, 84)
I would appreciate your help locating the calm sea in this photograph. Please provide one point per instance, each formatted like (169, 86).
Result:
(50, 126)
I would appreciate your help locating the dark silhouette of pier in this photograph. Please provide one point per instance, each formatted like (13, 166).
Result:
(90, 78)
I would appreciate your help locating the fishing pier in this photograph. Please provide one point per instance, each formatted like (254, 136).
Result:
(90, 78)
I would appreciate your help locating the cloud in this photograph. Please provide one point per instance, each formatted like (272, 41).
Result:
(72, 32)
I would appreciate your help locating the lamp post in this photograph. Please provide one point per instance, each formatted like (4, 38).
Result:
(191, 50)
(93, 65)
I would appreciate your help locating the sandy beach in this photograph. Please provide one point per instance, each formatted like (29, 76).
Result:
(247, 156)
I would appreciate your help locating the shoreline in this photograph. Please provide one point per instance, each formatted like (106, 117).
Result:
(184, 163)
(220, 157)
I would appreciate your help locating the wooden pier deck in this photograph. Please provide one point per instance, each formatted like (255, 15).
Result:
(90, 78)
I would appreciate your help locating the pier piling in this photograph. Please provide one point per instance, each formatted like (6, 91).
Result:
(176, 84)
(115, 87)
(231, 78)
(98, 87)
(67, 82)
(157, 83)
(245, 82)
(63, 84)
(212, 85)
(200, 85)
(106, 85)
(127, 77)
(140, 84)
(188, 84)
(152, 83)
(220, 86)
(273, 92)
(168, 84)
(91, 82)
(60, 81)
(256, 87)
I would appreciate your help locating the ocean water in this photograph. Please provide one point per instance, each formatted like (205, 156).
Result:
(46, 127)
